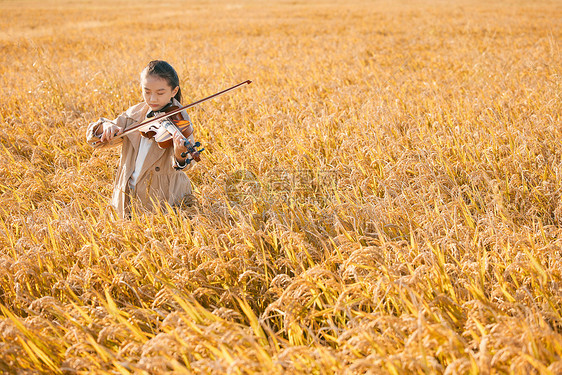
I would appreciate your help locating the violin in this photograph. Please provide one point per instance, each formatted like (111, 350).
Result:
(163, 133)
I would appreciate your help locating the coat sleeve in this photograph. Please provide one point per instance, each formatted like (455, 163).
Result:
(95, 129)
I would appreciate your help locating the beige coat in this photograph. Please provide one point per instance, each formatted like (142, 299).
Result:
(158, 181)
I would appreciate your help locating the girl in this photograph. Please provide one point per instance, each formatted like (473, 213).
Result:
(147, 174)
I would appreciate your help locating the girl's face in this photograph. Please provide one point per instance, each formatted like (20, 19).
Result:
(156, 91)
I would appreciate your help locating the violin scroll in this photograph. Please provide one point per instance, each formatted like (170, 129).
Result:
(193, 151)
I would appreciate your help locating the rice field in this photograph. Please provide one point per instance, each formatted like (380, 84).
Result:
(385, 197)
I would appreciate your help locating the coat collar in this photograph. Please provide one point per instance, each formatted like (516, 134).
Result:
(137, 114)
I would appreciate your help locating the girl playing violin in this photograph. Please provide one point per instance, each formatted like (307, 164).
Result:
(147, 174)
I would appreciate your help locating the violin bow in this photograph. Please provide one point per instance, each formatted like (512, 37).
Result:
(178, 110)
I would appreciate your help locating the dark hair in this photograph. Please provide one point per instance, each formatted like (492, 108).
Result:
(165, 71)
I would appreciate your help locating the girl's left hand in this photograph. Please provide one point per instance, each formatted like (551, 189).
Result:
(179, 146)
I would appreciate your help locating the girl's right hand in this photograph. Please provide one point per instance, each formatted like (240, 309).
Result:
(109, 131)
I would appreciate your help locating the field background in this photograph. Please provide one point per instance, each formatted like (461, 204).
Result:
(384, 197)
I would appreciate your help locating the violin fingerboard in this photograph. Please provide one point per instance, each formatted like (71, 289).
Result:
(170, 126)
